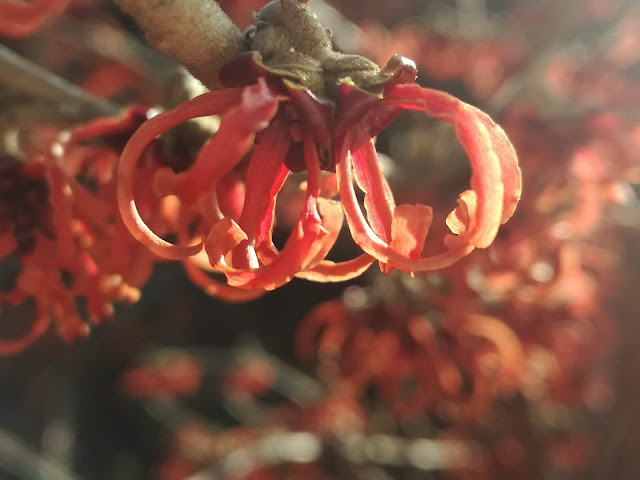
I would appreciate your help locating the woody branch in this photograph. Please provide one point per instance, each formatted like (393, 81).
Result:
(196, 33)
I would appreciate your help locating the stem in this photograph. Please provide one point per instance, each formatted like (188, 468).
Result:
(196, 33)
(24, 76)
(26, 463)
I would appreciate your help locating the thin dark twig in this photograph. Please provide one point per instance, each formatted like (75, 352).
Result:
(24, 76)
(27, 464)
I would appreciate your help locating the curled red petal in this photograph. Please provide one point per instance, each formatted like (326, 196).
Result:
(265, 177)
(459, 221)
(223, 237)
(327, 271)
(235, 137)
(378, 199)
(371, 243)
(321, 270)
(207, 104)
(231, 194)
(495, 176)
(217, 289)
(267, 162)
(495, 179)
(409, 230)
(507, 344)
(39, 326)
(332, 220)
(299, 249)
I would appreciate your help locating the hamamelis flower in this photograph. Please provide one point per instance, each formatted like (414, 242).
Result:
(22, 18)
(294, 104)
(388, 346)
(59, 223)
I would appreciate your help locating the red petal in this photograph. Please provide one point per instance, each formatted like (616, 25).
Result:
(231, 194)
(459, 221)
(495, 174)
(332, 220)
(10, 347)
(265, 177)
(299, 249)
(207, 104)
(231, 142)
(409, 230)
(506, 342)
(223, 237)
(328, 271)
(218, 289)
(378, 198)
(367, 239)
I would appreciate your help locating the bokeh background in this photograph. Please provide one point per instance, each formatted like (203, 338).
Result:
(520, 362)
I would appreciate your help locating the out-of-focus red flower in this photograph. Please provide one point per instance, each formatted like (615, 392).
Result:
(252, 378)
(414, 368)
(283, 127)
(77, 257)
(23, 17)
(171, 375)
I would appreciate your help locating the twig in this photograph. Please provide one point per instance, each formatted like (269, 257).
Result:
(92, 38)
(358, 450)
(291, 383)
(196, 33)
(27, 464)
(24, 76)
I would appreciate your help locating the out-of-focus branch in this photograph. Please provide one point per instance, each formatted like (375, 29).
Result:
(280, 447)
(196, 33)
(24, 76)
(91, 37)
(27, 464)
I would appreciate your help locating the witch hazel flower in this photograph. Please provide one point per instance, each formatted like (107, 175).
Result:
(59, 223)
(291, 103)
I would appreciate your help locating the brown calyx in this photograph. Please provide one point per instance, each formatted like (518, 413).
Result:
(290, 39)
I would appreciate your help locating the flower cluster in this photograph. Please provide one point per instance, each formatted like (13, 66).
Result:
(76, 257)
(487, 361)
(324, 433)
(415, 367)
(294, 104)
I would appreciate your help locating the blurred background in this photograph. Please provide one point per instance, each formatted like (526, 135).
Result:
(519, 362)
